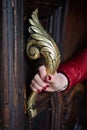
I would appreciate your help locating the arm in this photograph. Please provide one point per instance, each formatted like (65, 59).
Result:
(75, 69)
(68, 74)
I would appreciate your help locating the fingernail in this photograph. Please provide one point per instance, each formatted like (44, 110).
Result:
(47, 86)
(44, 88)
(38, 90)
(49, 77)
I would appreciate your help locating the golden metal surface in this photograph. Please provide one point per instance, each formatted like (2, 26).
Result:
(41, 44)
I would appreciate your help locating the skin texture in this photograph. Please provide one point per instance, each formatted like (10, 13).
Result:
(49, 83)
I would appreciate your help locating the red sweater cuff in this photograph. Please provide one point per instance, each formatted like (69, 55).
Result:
(76, 69)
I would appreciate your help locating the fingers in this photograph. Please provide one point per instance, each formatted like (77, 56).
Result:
(39, 89)
(35, 89)
(42, 81)
(44, 76)
(37, 80)
(37, 84)
(42, 72)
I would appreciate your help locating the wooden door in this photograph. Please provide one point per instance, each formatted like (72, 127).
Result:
(66, 22)
(11, 65)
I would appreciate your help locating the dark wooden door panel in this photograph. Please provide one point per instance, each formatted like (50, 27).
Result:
(11, 61)
(66, 21)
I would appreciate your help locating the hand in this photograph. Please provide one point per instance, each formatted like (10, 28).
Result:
(49, 83)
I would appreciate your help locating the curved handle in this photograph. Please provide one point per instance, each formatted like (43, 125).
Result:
(41, 44)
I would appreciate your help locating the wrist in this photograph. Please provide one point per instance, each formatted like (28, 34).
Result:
(64, 82)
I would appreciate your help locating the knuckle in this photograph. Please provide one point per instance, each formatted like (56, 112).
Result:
(35, 77)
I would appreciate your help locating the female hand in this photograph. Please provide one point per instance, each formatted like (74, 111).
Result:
(50, 83)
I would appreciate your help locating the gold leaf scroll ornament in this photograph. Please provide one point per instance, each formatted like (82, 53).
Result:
(41, 44)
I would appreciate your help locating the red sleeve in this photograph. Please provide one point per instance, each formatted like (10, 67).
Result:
(75, 69)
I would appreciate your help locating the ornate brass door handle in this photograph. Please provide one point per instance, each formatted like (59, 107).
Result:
(41, 44)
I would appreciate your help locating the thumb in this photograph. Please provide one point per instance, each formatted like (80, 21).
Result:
(48, 78)
(42, 72)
